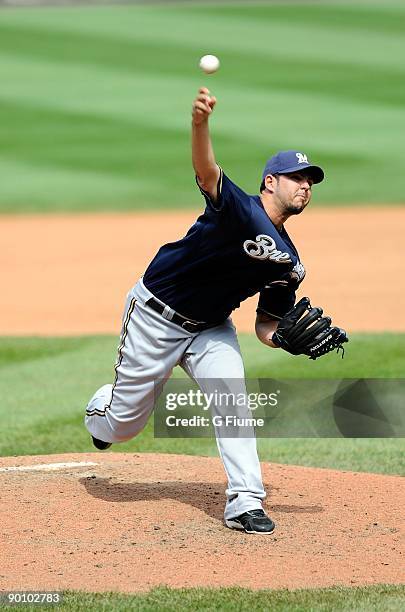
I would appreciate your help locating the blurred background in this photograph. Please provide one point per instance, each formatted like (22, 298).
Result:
(95, 100)
(95, 107)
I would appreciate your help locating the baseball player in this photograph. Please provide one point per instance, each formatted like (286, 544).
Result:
(178, 313)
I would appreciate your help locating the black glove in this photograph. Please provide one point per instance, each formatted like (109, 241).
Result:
(304, 331)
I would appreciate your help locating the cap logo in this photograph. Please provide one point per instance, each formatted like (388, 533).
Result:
(302, 159)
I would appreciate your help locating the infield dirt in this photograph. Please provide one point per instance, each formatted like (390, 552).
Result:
(69, 274)
(135, 521)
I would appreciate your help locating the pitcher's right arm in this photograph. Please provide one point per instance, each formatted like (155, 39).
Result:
(203, 158)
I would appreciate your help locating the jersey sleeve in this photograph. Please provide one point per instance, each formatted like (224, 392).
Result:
(276, 299)
(231, 199)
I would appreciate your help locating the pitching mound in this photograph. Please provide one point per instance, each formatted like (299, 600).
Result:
(129, 522)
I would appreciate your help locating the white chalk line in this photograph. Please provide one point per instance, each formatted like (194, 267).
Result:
(47, 467)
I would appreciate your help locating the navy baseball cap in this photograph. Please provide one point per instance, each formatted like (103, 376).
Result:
(292, 161)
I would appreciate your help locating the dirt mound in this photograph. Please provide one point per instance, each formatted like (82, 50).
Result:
(128, 522)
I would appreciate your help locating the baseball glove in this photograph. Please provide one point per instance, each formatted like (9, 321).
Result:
(304, 331)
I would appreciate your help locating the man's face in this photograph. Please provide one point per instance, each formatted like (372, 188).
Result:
(293, 191)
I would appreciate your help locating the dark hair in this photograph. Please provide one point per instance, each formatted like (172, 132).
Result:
(263, 185)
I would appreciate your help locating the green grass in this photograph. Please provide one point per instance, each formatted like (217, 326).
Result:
(46, 383)
(380, 598)
(95, 101)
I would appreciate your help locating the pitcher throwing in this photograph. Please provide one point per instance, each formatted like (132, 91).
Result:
(178, 313)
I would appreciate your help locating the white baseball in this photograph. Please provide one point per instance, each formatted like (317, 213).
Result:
(209, 64)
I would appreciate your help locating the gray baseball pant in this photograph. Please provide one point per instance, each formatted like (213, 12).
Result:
(151, 346)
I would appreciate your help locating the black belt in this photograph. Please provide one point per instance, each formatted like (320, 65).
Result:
(188, 324)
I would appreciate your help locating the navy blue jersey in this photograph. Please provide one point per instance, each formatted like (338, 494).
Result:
(231, 252)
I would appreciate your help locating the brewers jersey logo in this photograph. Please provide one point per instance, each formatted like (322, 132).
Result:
(265, 248)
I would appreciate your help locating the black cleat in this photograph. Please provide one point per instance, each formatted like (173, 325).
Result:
(253, 521)
(100, 444)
